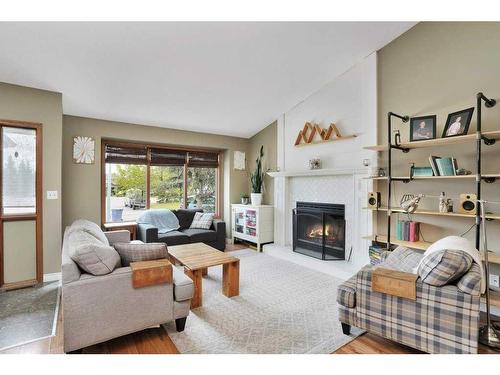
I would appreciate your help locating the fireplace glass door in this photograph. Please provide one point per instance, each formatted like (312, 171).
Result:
(319, 233)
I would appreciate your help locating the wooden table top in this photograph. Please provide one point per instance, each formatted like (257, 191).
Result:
(199, 255)
(119, 224)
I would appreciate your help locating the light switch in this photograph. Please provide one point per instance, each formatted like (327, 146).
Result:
(51, 194)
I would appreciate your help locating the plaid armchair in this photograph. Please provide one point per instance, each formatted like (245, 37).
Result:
(442, 319)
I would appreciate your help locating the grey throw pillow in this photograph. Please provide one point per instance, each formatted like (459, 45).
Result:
(130, 252)
(92, 255)
(443, 267)
(202, 221)
(91, 228)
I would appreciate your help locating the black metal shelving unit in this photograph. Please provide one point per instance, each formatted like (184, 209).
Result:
(480, 138)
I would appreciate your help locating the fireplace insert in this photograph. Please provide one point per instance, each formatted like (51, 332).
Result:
(319, 230)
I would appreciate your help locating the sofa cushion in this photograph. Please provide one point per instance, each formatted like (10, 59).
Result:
(201, 235)
(470, 283)
(346, 293)
(402, 259)
(92, 255)
(202, 221)
(183, 285)
(443, 267)
(174, 238)
(131, 252)
(186, 217)
(91, 228)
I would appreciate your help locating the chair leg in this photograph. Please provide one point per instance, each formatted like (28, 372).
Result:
(180, 324)
(346, 328)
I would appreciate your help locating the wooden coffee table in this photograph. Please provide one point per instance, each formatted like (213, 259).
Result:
(196, 258)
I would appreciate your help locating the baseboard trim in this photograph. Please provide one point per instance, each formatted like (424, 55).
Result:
(48, 277)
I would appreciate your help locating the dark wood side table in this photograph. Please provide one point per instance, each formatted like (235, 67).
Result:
(131, 226)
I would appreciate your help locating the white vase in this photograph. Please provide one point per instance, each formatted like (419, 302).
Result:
(256, 199)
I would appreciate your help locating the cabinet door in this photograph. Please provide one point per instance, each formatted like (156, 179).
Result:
(238, 220)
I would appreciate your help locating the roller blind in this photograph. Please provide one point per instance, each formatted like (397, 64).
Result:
(203, 159)
(160, 156)
(125, 154)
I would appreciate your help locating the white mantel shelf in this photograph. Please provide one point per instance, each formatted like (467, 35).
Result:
(320, 172)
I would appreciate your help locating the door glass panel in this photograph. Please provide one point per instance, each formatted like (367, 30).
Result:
(19, 171)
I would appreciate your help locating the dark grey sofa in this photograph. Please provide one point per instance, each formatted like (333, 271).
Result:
(215, 236)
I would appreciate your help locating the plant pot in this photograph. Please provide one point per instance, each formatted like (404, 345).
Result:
(244, 200)
(256, 199)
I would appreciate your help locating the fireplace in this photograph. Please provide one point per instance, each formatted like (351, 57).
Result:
(319, 230)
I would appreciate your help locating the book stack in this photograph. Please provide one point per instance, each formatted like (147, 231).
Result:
(407, 230)
(375, 252)
(443, 166)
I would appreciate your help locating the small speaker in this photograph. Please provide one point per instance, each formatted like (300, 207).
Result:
(468, 204)
(374, 200)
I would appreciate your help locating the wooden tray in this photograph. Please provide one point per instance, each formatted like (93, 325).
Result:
(395, 283)
(151, 272)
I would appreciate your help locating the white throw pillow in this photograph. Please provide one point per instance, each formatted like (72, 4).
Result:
(202, 221)
(91, 228)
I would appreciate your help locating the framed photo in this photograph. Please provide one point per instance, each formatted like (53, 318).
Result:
(458, 123)
(239, 160)
(422, 128)
(83, 150)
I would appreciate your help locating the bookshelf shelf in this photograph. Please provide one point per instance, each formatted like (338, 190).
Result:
(435, 213)
(463, 177)
(493, 257)
(469, 138)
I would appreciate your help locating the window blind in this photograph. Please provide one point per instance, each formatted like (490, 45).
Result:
(203, 159)
(162, 156)
(125, 154)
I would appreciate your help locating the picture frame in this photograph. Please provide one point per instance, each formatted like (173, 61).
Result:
(458, 123)
(422, 128)
(239, 160)
(83, 150)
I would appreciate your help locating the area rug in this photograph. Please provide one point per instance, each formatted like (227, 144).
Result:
(28, 314)
(282, 308)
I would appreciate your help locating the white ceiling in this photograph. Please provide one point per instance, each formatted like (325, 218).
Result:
(224, 78)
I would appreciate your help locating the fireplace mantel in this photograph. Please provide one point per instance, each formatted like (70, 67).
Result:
(320, 172)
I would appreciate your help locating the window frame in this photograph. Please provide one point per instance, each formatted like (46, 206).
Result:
(149, 146)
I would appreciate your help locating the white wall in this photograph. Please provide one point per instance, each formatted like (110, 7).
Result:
(350, 102)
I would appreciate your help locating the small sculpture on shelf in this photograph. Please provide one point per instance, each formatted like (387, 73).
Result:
(315, 163)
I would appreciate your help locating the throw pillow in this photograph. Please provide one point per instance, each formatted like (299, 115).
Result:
(91, 228)
(443, 267)
(130, 252)
(92, 255)
(202, 221)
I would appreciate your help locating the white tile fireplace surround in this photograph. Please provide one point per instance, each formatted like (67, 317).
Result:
(339, 186)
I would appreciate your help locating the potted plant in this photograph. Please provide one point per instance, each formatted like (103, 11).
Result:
(257, 180)
(244, 198)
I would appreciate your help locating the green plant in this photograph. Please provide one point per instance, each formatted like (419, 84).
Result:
(257, 178)
(244, 195)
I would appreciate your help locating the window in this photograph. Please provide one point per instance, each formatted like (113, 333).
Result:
(19, 171)
(177, 179)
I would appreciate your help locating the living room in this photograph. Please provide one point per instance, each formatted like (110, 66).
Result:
(249, 188)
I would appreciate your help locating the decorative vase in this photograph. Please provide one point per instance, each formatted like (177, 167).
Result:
(256, 199)
(244, 200)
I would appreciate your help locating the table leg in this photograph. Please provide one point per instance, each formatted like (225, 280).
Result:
(197, 277)
(231, 279)
(204, 271)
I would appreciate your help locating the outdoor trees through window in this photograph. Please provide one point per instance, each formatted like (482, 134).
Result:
(177, 179)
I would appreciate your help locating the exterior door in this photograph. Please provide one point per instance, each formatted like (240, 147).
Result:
(21, 204)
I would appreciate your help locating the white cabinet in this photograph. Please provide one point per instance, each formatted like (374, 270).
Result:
(253, 223)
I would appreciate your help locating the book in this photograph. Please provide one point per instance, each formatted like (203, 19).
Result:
(414, 230)
(432, 161)
(422, 171)
(399, 230)
(455, 166)
(445, 166)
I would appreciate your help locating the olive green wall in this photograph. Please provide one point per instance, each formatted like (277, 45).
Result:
(28, 104)
(267, 137)
(82, 183)
(437, 68)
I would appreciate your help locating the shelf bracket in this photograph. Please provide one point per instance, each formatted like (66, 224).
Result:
(488, 141)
